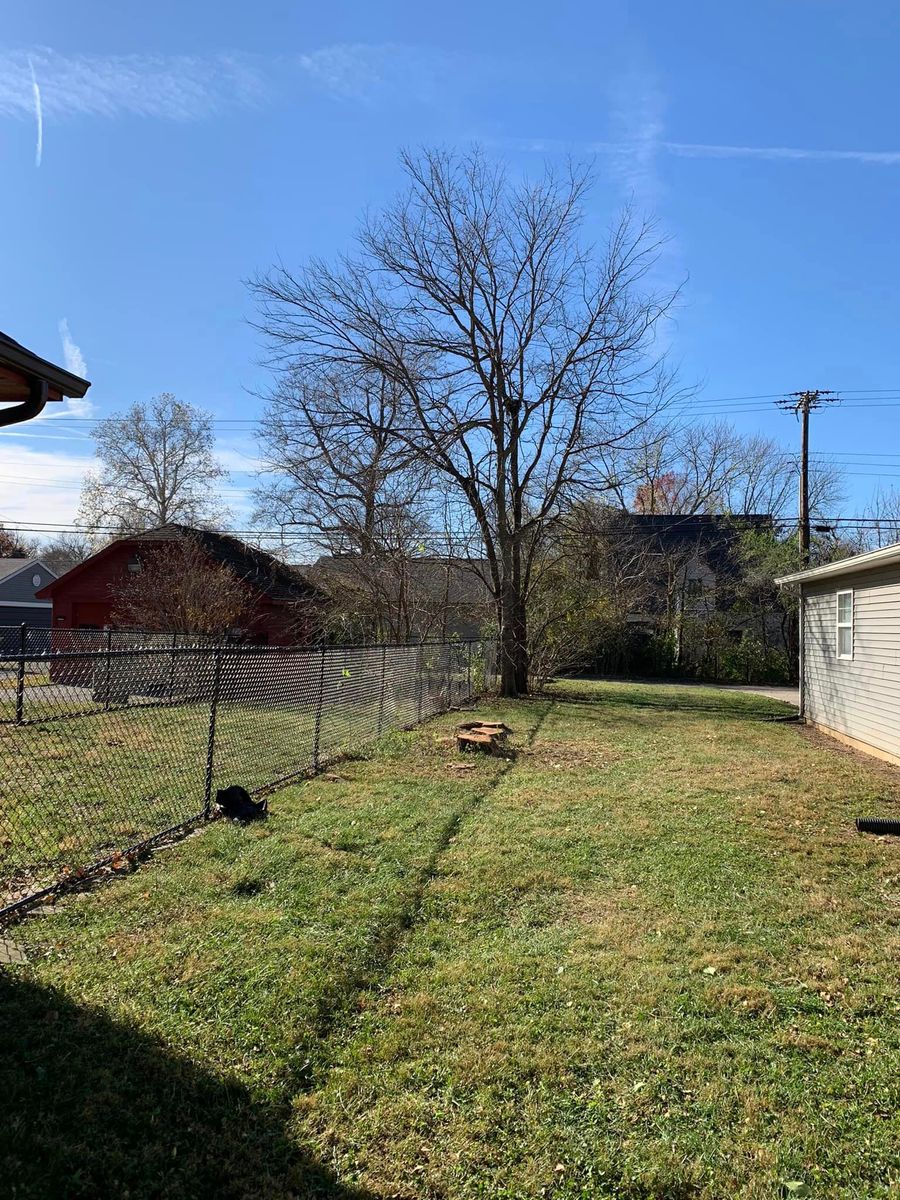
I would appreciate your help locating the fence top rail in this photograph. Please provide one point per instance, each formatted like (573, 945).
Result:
(101, 653)
(48, 631)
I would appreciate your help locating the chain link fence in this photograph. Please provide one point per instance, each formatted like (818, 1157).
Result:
(106, 749)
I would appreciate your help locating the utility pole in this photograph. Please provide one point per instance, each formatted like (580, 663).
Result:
(802, 404)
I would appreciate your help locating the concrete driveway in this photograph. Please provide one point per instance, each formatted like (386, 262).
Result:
(788, 695)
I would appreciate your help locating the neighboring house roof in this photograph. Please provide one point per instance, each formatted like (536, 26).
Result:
(262, 571)
(29, 381)
(676, 527)
(712, 535)
(10, 567)
(276, 579)
(457, 581)
(887, 556)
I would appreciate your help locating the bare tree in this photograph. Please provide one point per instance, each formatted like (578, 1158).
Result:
(881, 521)
(710, 467)
(341, 474)
(518, 352)
(352, 487)
(181, 590)
(156, 465)
(65, 551)
(13, 545)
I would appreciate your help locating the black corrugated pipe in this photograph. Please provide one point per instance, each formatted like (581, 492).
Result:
(878, 825)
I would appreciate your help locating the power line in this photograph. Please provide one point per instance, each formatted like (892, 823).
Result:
(784, 522)
(880, 397)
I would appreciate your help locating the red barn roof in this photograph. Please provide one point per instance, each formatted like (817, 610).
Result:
(258, 569)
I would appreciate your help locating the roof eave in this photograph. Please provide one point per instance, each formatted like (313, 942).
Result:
(24, 360)
(886, 556)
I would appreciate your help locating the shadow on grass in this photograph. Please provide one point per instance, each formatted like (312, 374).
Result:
(94, 1107)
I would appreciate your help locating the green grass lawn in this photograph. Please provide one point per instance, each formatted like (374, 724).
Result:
(78, 789)
(648, 959)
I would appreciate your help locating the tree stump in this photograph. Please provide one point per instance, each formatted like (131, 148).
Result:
(484, 737)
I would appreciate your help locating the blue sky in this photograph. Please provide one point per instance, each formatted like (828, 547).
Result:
(185, 146)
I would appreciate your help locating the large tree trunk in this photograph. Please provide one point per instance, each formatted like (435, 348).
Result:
(508, 645)
(520, 634)
(513, 646)
(508, 660)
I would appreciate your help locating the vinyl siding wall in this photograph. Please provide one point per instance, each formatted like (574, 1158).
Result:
(858, 697)
(19, 586)
(32, 615)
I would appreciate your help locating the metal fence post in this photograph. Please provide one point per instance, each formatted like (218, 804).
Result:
(211, 741)
(20, 675)
(317, 732)
(420, 660)
(108, 670)
(469, 674)
(381, 691)
(172, 670)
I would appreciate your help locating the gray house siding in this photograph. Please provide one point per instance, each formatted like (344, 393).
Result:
(859, 697)
(19, 587)
(37, 616)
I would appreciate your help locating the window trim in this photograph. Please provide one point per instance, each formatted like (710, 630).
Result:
(839, 624)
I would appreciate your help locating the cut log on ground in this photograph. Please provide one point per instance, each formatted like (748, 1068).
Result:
(484, 737)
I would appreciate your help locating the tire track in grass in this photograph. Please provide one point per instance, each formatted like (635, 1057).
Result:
(334, 1018)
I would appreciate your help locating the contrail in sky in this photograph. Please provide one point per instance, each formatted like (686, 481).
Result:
(39, 116)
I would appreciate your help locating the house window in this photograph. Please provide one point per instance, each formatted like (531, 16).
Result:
(845, 624)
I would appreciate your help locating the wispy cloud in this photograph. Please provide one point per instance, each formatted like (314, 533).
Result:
(351, 71)
(38, 115)
(235, 459)
(636, 120)
(196, 87)
(365, 71)
(36, 486)
(40, 484)
(880, 158)
(178, 88)
(636, 150)
(72, 355)
(74, 362)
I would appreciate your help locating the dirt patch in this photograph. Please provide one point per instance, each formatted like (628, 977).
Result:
(794, 1039)
(617, 917)
(877, 766)
(746, 998)
(555, 754)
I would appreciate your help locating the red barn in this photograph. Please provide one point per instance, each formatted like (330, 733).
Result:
(284, 607)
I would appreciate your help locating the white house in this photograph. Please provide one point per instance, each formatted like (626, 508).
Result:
(850, 649)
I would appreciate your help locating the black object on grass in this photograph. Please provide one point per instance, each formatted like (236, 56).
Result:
(878, 825)
(236, 804)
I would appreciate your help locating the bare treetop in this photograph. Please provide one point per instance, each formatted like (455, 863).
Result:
(710, 467)
(338, 470)
(156, 465)
(519, 353)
